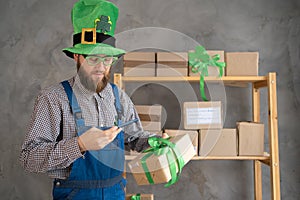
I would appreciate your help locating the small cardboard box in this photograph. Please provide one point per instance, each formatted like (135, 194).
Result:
(150, 117)
(142, 196)
(193, 136)
(172, 64)
(158, 165)
(202, 115)
(251, 138)
(218, 142)
(241, 63)
(212, 71)
(139, 64)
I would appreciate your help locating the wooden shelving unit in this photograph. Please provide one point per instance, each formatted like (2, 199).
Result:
(270, 159)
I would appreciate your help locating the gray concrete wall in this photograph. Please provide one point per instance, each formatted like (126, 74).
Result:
(34, 32)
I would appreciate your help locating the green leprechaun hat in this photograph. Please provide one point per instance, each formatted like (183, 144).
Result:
(94, 23)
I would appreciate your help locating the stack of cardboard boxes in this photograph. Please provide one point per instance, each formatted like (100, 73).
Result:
(247, 139)
(203, 136)
(176, 64)
(203, 124)
(156, 64)
(206, 117)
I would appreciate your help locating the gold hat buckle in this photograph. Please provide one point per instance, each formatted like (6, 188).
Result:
(88, 30)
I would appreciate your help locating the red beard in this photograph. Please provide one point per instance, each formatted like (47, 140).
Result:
(88, 83)
(102, 84)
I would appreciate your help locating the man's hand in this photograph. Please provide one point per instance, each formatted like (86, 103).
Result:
(165, 136)
(95, 139)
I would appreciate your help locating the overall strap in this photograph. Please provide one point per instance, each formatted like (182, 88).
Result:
(75, 108)
(117, 102)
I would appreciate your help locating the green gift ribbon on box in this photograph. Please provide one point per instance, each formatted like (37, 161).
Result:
(136, 197)
(160, 146)
(199, 61)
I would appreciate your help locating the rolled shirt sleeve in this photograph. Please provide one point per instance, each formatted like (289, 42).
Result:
(41, 152)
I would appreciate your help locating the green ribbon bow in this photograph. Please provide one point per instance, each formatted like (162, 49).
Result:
(160, 146)
(136, 197)
(199, 61)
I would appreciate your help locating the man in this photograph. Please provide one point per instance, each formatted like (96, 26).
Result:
(74, 133)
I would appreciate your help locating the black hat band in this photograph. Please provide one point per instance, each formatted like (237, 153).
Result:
(89, 38)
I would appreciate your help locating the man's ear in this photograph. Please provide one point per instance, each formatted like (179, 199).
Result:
(76, 57)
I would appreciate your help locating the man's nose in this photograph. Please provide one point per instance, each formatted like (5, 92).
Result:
(101, 66)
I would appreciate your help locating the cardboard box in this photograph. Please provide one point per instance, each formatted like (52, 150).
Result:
(241, 63)
(218, 142)
(172, 64)
(202, 115)
(251, 138)
(212, 71)
(158, 165)
(143, 196)
(139, 64)
(150, 117)
(193, 136)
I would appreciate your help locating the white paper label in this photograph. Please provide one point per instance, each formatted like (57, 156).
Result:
(211, 115)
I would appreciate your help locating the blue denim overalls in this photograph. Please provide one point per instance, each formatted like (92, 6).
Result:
(97, 175)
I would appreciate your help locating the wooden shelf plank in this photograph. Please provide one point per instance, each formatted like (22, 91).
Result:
(231, 158)
(265, 157)
(195, 78)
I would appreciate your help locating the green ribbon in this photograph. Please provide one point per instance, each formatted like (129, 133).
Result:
(199, 61)
(160, 146)
(136, 197)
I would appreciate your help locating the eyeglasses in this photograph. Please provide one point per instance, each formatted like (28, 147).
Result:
(95, 60)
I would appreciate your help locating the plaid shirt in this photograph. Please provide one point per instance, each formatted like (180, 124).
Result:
(41, 150)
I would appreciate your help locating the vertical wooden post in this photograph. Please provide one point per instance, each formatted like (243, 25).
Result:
(118, 80)
(257, 180)
(273, 137)
(256, 163)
